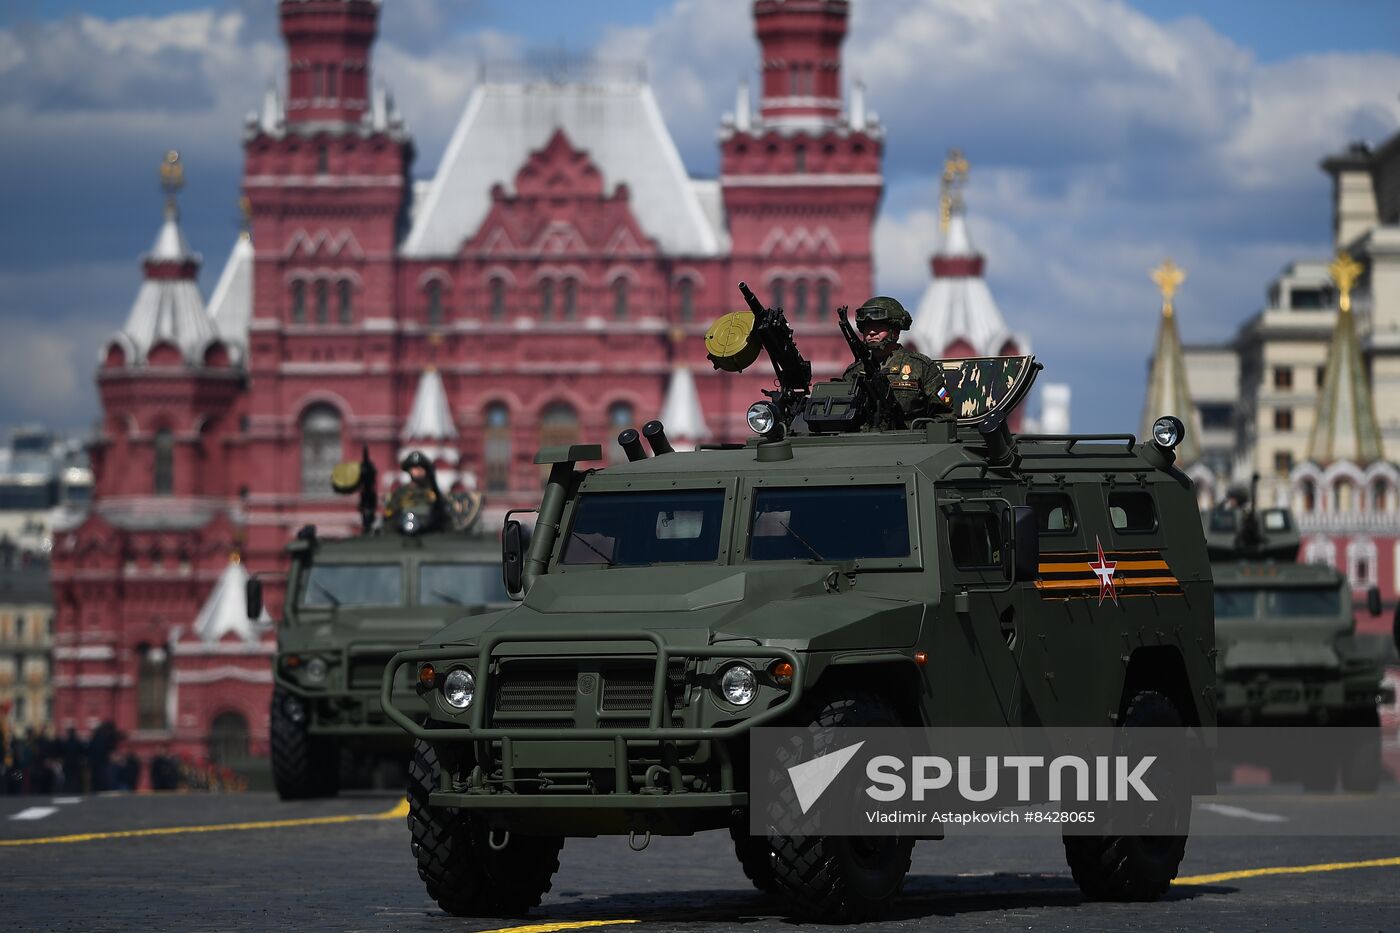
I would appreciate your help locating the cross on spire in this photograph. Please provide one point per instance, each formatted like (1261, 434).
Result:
(1344, 271)
(1168, 277)
(951, 186)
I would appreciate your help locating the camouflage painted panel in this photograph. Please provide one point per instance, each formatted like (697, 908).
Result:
(982, 384)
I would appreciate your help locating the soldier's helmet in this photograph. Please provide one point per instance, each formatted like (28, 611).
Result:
(416, 458)
(881, 308)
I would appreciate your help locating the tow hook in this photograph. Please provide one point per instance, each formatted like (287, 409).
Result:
(634, 845)
(498, 844)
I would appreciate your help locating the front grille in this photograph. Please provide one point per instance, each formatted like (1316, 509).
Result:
(530, 692)
(541, 695)
(628, 689)
(366, 671)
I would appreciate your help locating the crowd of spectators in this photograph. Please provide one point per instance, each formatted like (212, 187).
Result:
(37, 764)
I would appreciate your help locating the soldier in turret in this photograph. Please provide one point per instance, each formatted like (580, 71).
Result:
(420, 497)
(917, 381)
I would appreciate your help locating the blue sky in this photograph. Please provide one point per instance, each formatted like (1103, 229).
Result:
(1103, 136)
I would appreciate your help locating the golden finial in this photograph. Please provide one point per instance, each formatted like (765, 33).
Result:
(1168, 277)
(950, 188)
(245, 210)
(172, 173)
(1344, 271)
(234, 557)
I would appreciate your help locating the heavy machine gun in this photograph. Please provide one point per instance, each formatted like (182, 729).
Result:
(360, 477)
(734, 342)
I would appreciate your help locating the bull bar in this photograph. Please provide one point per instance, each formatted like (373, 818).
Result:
(664, 655)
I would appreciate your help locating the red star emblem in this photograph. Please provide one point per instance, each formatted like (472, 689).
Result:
(1103, 569)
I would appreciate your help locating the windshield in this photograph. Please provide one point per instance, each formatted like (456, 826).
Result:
(633, 529)
(832, 523)
(460, 585)
(339, 585)
(1278, 604)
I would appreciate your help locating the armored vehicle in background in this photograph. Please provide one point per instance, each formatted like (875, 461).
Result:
(1288, 649)
(350, 604)
(938, 573)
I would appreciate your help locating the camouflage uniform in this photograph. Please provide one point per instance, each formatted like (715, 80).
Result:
(423, 498)
(919, 387)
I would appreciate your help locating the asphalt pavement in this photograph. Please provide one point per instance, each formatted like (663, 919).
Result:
(194, 862)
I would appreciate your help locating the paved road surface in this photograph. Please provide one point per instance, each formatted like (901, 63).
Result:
(344, 864)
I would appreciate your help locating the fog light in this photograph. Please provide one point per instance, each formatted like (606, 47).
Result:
(315, 671)
(738, 684)
(294, 710)
(762, 418)
(1167, 432)
(458, 688)
(782, 673)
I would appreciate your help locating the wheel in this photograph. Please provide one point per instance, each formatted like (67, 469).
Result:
(1361, 763)
(459, 868)
(841, 878)
(1133, 868)
(302, 766)
(756, 857)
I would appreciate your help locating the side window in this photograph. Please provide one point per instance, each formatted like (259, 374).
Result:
(975, 540)
(1054, 512)
(1132, 512)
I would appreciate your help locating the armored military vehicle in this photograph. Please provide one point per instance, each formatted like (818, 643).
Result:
(1288, 649)
(866, 572)
(350, 604)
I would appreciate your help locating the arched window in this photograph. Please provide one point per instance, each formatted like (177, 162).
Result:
(570, 298)
(298, 302)
(152, 687)
(686, 289)
(323, 302)
(228, 739)
(779, 293)
(621, 416)
(497, 453)
(1345, 495)
(1380, 498)
(799, 298)
(1309, 496)
(163, 469)
(434, 292)
(497, 290)
(347, 300)
(320, 448)
(619, 290)
(546, 299)
(824, 298)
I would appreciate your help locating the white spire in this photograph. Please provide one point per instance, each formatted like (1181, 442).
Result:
(272, 117)
(743, 118)
(431, 417)
(681, 412)
(379, 108)
(957, 241)
(231, 305)
(226, 609)
(858, 118)
(170, 245)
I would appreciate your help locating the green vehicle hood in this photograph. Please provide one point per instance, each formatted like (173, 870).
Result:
(397, 627)
(786, 606)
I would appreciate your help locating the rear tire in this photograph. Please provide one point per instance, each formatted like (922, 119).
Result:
(459, 868)
(303, 767)
(1130, 868)
(1361, 764)
(838, 879)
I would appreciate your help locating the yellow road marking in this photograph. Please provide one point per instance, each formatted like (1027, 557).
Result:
(397, 813)
(1287, 870)
(562, 925)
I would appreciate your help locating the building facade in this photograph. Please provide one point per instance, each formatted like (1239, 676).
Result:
(26, 643)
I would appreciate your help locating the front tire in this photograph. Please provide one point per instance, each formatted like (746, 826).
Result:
(303, 767)
(1131, 868)
(459, 868)
(842, 878)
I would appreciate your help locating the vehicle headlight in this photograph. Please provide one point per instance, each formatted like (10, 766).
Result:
(1168, 431)
(738, 684)
(315, 671)
(762, 417)
(458, 688)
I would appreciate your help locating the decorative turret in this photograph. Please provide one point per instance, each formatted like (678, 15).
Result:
(231, 304)
(957, 315)
(225, 612)
(430, 428)
(681, 411)
(328, 59)
(1167, 391)
(167, 324)
(801, 58)
(1346, 427)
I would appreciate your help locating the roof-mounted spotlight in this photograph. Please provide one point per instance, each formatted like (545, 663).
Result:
(1168, 431)
(763, 420)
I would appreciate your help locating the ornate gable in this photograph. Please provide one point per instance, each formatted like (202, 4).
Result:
(559, 170)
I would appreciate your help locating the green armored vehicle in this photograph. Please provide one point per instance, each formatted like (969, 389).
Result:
(350, 604)
(876, 570)
(1289, 653)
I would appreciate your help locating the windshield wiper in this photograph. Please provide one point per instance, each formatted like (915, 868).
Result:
(811, 550)
(447, 598)
(584, 541)
(334, 600)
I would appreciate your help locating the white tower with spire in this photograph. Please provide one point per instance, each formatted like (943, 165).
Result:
(431, 429)
(681, 411)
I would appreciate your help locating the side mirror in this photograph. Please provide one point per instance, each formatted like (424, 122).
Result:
(1373, 600)
(1021, 534)
(254, 597)
(513, 557)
